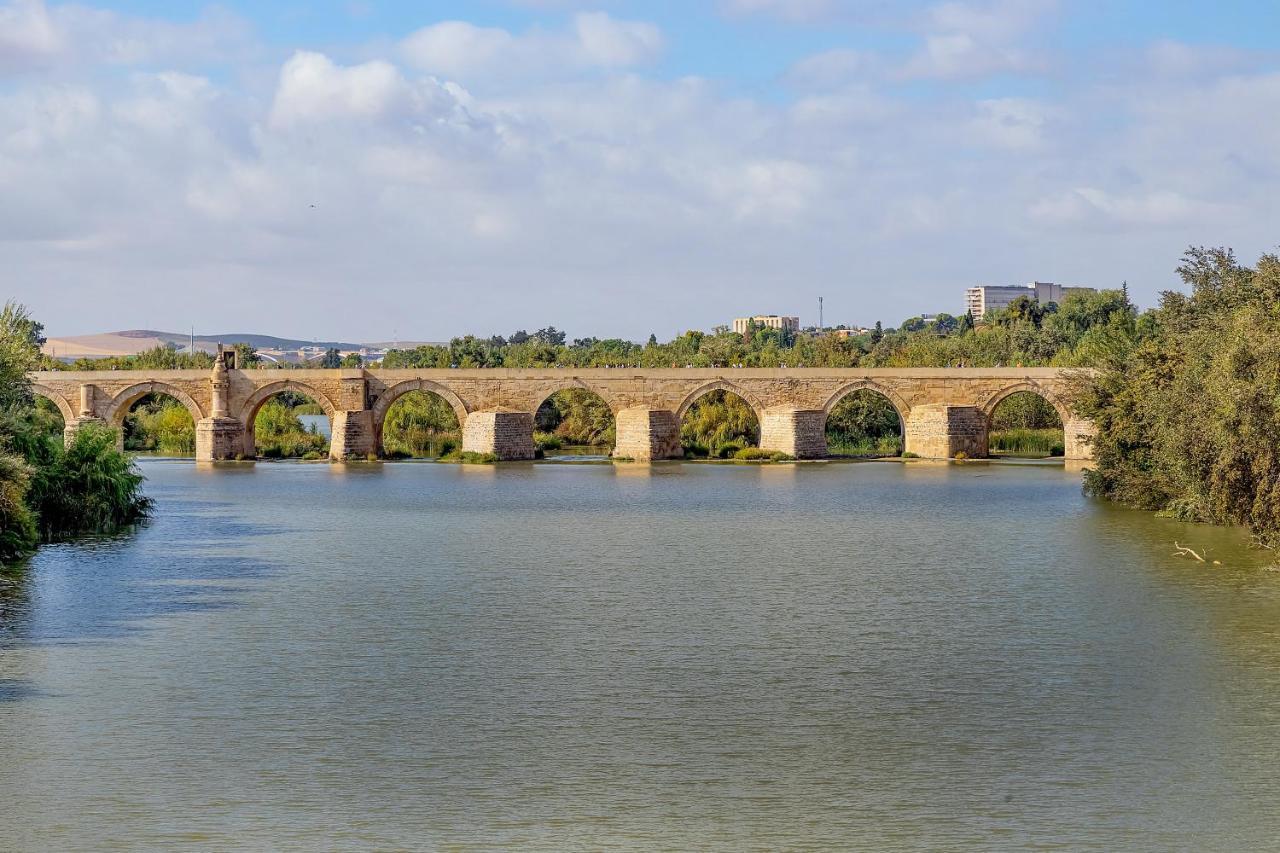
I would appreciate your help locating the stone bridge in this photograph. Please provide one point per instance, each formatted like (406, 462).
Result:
(944, 411)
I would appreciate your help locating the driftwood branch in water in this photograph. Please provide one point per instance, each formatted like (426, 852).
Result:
(1184, 551)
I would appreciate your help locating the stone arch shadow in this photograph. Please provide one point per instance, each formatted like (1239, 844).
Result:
(988, 408)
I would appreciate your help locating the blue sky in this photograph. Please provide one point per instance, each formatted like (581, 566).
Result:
(365, 169)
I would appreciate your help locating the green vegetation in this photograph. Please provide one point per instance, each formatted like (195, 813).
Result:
(469, 457)
(50, 492)
(1188, 417)
(864, 423)
(575, 417)
(159, 423)
(278, 434)
(718, 425)
(755, 454)
(1027, 442)
(420, 424)
(1026, 424)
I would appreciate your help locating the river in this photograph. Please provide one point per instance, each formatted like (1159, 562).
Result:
(829, 656)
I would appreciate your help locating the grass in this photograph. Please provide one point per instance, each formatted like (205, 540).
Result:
(469, 457)
(885, 445)
(1026, 442)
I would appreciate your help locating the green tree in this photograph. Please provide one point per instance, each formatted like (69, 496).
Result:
(1187, 419)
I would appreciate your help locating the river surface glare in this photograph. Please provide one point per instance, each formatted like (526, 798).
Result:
(870, 656)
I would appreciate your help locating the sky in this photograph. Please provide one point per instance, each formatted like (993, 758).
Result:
(366, 170)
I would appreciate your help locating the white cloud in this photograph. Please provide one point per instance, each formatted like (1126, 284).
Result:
(549, 190)
(595, 40)
(964, 39)
(28, 37)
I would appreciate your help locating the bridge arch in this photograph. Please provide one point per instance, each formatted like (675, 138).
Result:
(68, 414)
(989, 407)
(123, 401)
(249, 410)
(756, 404)
(894, 398)
(574, 383)
(388, 397)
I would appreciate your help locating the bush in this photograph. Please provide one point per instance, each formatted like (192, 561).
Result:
(18, 532)
(546, 441)
(960, 456)
(907, 454)
(312, 455)
(91, 487)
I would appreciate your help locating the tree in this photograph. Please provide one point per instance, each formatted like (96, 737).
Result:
(1186, 418)
(877, 334)
(247, 356)
(519, 337)
(550, 336)
(352, 359)
(331, 359)
(945, 324)
(966, 323)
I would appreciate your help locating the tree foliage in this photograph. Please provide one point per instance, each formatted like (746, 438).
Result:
(1188, 420)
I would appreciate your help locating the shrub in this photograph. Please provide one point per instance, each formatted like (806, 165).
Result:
(546, 441)
(960, 456)
(18, 533)
(907, 454)
(312, 455)
(91, 487)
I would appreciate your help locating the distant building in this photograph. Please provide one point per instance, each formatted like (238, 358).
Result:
(769, 321)
(979, 300)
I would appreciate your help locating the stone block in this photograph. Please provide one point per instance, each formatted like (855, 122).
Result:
(796, 432)
(647, 434)
(353, 435)
(507, 435)
(940, 431)
(218, 439)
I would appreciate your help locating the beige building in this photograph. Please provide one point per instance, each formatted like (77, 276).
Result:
(979, 300)
(768, 321)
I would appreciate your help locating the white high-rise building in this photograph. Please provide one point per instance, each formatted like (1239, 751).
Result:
(768, 321)
(983, 298)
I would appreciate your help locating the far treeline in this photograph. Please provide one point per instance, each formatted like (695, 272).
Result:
(1186, 396)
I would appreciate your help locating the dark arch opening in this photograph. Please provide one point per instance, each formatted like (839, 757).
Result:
(574, 422)
(864, 423)
(420, 425)
(158, 423)
(290, 425)
(1026, 425)
(718, 425)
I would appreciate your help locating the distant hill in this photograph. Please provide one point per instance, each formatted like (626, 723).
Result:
(132, 341)
(259, 341)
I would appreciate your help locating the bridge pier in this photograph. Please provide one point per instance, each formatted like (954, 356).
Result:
(646, 434)
(507, 435)
(940, 431)
(801, 433)
(219, 439)
(353, 435)
(1076, 440)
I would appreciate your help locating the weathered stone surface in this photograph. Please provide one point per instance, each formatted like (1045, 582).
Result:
(353, 436)
(507, 435)
(801, 433)
(365, 396)
(940, 431)
(647, 434)
(219, 439)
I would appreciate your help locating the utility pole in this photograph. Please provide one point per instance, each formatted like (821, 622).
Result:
(820, 324)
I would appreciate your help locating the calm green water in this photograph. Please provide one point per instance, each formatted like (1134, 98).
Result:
(846, 656)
